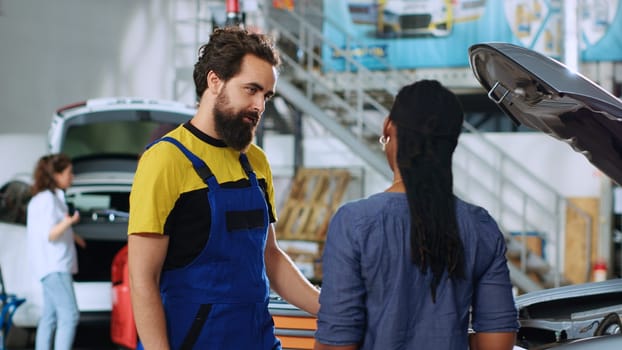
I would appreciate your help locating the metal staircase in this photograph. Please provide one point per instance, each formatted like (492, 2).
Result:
(351, 106)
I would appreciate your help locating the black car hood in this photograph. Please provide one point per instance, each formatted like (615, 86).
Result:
(542, 93)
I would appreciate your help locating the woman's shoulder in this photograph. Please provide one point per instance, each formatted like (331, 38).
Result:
(41, 198)
(475, 220)
(366, 212)
(376, 201)
(43, 195)
(472, 211)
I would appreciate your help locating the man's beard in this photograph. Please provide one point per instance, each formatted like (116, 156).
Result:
(231, 127)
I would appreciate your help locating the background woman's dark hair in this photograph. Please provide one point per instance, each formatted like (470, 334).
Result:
(46, 168)
(429, 120)
(224, 52)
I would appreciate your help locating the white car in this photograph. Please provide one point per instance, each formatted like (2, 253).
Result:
(416, 17)
(104, 138)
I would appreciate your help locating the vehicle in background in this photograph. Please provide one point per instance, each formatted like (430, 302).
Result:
(415, 17)
(404, 17)
(104, 138)
(408, 18)
(543, 94)
(21, 152)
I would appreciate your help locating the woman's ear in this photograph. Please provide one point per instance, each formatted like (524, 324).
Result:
(385, 125)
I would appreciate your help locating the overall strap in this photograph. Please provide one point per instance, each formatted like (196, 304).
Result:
(204, 172)
(246, 165)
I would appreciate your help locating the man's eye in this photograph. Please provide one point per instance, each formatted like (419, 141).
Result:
(251, 90)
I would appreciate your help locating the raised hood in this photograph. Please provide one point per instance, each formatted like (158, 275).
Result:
(542, 93)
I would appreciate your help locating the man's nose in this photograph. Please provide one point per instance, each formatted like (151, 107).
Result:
(259, 104)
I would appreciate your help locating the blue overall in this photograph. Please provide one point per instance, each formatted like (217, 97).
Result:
(220, 300)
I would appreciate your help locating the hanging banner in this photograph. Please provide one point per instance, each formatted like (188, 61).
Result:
(407, 34)
(600, 22)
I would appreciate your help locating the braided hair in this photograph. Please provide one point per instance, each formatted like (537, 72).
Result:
(429, 120)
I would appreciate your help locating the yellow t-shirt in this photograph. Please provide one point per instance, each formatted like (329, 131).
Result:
(168, 197)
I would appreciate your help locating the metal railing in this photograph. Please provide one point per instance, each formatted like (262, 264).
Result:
(346, 105)
(345, 97)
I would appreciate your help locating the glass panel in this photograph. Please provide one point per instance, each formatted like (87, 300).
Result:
(87, 202)
(99, 201)
(127, 138)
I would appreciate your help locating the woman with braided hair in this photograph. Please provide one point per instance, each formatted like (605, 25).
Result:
(415, 267)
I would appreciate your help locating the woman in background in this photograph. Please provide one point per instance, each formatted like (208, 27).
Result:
(414, 267)
(52, 251)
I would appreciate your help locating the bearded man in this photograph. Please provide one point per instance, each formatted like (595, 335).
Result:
(203, 254)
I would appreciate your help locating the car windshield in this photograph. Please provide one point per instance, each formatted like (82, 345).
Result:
(112, 138)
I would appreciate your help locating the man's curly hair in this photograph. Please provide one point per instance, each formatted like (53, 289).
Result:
(224, 52)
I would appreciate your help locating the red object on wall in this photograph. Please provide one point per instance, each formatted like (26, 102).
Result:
(122, 326)
(233, 6)
(599, 271)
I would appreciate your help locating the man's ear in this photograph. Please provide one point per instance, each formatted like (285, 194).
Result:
(214, 84)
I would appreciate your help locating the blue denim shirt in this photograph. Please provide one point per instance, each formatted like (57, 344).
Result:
(373, 295)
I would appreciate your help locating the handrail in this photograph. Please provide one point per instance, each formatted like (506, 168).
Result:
(362, 95)
(527, 226)
(374, 158)
(349, 38)
(513, 185)
(511, 160)
(309, 35)
(362, 69)
(526, 222)
(341, 103)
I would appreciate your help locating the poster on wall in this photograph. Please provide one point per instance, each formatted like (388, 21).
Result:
(408, 34)
(537, 25)
(601, 30)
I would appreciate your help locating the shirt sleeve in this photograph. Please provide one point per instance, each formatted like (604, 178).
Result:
(341, 319)
(155, 188)
(493, 303)
(41, 217)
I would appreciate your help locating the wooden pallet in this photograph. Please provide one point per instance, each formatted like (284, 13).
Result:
(314, 197)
